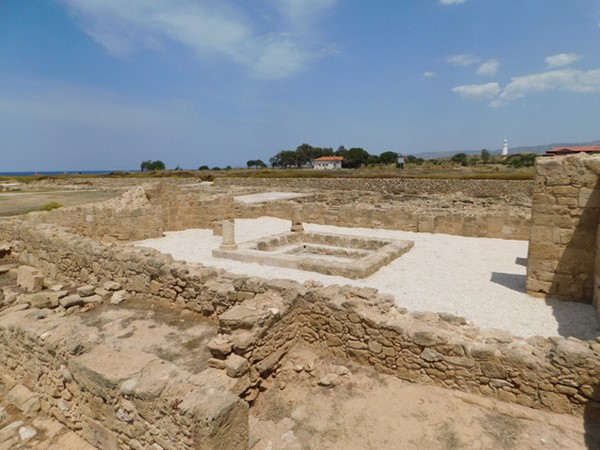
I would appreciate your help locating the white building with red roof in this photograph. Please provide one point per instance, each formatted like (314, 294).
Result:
(328, 162)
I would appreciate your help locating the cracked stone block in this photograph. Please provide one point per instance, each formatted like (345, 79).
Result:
(236, 366)
(30, 279)
(24, 399)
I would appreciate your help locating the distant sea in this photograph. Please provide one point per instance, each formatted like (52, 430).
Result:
(58, 172)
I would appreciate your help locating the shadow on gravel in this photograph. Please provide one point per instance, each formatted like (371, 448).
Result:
(521, 261)
(512, 281)
(574, 319)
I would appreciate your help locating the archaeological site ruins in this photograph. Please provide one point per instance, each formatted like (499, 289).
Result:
(189, 315)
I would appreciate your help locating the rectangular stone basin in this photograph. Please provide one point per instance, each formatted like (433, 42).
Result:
(330, 254)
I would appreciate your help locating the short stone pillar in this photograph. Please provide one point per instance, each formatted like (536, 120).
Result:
(297, 221)
(228, 230)
(217, 227)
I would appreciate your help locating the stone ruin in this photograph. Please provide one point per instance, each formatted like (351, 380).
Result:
(330, 254)
(71, 278)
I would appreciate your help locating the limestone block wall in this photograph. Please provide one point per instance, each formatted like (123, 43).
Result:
(149, 210)
(498, 222)
(64, 255)
(129, 217)
(141, 213)
(358, 324)
(565, 217)
(558, 374)
(419, 186)
(184, 209)
(265, 317)
(115, 398)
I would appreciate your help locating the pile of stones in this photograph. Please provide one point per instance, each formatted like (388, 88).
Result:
(27, 286)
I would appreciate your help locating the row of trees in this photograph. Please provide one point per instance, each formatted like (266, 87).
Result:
(485, 157)
(357, 157)
(305, 154)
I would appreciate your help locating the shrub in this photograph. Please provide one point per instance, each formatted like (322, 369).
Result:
(50, 206)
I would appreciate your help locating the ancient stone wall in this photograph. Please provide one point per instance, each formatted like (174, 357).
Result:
(147, 211)
(264, 318)
(358, 324)
(141, 213)
(183, 209)
(418, 186)
(114, 398)
(496, 221)
(565, 217)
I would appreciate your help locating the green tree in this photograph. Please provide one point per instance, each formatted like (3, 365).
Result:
(256, 163)
(203, 168)
(341, 151)
(460, 158)
(389, 157)
(152, 165)
(284, 159)
(521, 160)
(356, 157)
(485, 155)
(373, 160)
(411, 159)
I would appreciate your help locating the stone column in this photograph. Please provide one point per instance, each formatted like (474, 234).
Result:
(217, 227)
(297, 220)
(228, 230)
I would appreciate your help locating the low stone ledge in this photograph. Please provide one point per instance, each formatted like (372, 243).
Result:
(116, 398)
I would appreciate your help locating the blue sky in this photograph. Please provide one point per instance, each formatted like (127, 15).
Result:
(105, 84)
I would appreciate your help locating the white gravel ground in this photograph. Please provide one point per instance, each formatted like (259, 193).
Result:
(481, 279)
(267, 197)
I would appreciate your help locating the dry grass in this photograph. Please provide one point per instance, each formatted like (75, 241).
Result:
(483, 172)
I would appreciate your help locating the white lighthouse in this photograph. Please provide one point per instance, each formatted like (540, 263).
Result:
(505, 148)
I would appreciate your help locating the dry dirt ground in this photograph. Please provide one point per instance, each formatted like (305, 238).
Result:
(12, 203)
(362, 410)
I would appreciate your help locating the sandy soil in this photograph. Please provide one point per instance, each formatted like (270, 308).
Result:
(160, 328)
(482, 279)
(364, 410)
(12, 203)
(267, 197)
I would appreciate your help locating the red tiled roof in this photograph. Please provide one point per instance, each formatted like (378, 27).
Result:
(330, 158)
(583, 148)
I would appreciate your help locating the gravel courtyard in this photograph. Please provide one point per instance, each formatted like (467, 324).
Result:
(482, 279)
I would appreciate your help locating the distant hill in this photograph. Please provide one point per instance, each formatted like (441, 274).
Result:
(538, 149)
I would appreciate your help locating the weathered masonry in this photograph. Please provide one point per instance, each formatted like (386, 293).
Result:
(563, 247)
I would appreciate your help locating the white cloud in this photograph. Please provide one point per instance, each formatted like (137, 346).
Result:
(478, 91)
(497, 103)
(465, 59)
(562, 59)
(488, 68)
(568, 80)
(429, 74)
(452, 2)
(300, 10)
(210, 29)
